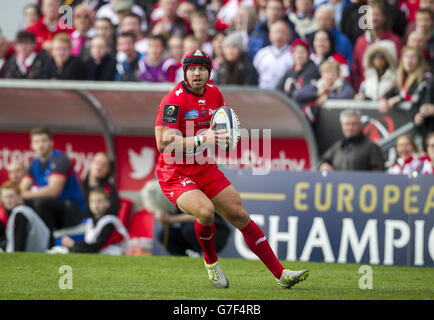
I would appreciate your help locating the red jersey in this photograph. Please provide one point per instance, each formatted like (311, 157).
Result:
(188, 112)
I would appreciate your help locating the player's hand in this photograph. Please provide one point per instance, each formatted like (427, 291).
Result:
(418, 119)
(219, 137)
(383, 106)
(67, 242)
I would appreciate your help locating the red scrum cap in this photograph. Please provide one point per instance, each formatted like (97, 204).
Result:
(197, 58)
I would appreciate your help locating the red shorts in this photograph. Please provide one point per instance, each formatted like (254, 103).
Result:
(175, 180)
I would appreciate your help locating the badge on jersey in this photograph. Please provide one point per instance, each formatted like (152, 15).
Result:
(170, 113)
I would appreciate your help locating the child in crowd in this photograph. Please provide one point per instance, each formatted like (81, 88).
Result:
(157, 66)
(104, 232)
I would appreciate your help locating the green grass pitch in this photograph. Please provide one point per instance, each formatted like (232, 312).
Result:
(36, 276)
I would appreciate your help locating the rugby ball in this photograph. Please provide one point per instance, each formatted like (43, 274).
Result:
(226, 118)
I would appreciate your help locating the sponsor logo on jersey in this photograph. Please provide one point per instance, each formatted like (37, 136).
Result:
(192, 114)
(179, 91)
(201, 101)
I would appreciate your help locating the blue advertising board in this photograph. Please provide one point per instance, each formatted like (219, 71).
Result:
(338, 217)
(345, 217)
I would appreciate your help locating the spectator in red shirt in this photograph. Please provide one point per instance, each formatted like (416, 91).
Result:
(49, 24)
(378, 29)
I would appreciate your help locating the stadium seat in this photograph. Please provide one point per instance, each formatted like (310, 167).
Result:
(142, 225)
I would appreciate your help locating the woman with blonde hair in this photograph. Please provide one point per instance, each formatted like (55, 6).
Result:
(407, 158)
(411, 73)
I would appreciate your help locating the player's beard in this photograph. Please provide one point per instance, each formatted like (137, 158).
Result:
(197, 84)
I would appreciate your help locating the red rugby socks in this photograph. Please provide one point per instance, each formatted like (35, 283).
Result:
(258, 244)
(206, 237)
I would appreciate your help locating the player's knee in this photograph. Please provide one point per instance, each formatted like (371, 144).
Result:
(239, 217)
(206, 212)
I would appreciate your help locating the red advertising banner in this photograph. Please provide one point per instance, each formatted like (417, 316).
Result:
(136, 160)
(137, 156)
(80, 148)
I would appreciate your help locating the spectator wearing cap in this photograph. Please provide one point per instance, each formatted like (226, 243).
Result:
(63, 65)
(127, 67)
(131, 23)
(237, 67)
(273, 61)
(27, 63)
(167, 22)
(101, 65)
(259, 38)
(80, 38)
(116, 9)
(380, 71)
(49, 24)
(303, 71)
(157, 66)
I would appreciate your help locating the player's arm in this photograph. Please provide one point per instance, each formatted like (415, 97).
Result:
(167, 136)
(60, 169)
(56, 183)
(26, 183)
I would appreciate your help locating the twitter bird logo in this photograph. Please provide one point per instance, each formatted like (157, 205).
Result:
(142, 163)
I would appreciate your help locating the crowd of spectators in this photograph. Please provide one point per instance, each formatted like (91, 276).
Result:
(384, 49)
